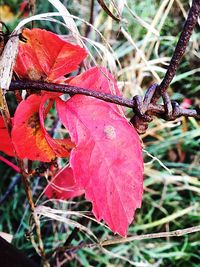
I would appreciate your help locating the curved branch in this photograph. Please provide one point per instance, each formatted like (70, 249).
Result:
(180, 49)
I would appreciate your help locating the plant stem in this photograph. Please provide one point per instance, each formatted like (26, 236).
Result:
(116, 241)
(181, 232)
(87, 32)
(7, 119)
(9, 163)
(25, 179)
(5, 111)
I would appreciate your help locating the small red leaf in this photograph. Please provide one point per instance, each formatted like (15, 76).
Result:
(107, 160)
(61, 147)
(5, 141)
(29, 136)
(63, 185)
(45, 56)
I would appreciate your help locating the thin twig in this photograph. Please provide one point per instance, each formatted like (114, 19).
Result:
(180, 49)
(107, 10)
(116, 241)
(152, 236)
(25, 179)
(154, 109)
(91, 20)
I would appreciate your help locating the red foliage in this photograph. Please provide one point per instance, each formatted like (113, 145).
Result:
(106, 158)
(45, 56)
(29, 135)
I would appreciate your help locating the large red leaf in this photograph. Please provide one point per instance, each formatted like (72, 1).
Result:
(29, 135)
(5, 141)
(107, 160)
(63, 185)
(45, 56)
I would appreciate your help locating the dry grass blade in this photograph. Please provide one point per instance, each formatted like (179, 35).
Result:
(70, 24)
(108, 53)
(61, 217)
(7, 60)
(129, 38)
(125, 259)
(79, 214)
(156, 159)
(158, 177)
(143, 23)
(153, 24)
(168, 218)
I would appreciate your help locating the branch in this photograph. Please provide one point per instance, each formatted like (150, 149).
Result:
(152, 236)
(154, 109)
(180, 49)
(176, 233)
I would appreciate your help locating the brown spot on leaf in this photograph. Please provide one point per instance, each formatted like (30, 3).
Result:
(109, 131)
(34, 122)
(36, 75)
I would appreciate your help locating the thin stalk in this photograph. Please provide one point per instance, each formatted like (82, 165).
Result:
(25, 179)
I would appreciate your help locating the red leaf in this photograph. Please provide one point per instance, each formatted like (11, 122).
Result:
(61, 147)
(29, 136)
(107, 160)
(98, 79)
(45, 56)
(5, 141)
(63, 185)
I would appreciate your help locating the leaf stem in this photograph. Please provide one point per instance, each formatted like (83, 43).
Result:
(9, 163)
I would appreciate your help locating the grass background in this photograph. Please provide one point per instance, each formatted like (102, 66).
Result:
(172, 185)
